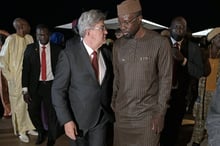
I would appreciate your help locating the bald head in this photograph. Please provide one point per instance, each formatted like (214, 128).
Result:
(179, 19)
(178, 28)
(21, 26)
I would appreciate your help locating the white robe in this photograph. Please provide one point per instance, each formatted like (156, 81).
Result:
(11, 58)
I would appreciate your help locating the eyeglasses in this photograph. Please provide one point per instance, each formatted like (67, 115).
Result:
(102, 28)
(128, 21)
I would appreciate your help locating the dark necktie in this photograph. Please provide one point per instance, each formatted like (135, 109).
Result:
(43, 64)
(95, 64)
(174, 81)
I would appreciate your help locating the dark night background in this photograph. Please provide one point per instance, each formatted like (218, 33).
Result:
(200, 14)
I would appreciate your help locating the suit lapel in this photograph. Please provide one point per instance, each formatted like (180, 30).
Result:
(85, 59)
(37, 53)
(36, 56)
(106, 54)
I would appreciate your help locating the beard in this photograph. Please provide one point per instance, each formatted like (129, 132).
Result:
(131, 34)
(177, 37)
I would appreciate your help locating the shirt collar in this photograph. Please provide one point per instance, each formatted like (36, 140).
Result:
(174, 41)
(89, 49)
(43, 45)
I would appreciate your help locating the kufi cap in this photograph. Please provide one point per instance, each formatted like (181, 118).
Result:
(213, 33)
(128, 7)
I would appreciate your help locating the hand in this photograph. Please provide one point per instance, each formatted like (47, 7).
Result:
(177, 55)
(4, 32)
(71, 130)
(27, 98)
(157, 123)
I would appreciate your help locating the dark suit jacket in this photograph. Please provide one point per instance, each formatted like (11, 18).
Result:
(76, 78)
(32, 65)
(194, 66)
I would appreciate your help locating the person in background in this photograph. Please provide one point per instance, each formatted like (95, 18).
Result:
(194, 85)
(82, 87)
(12, 59)
(207, 87)
(4, 83)
(142, 62)
(37, 85)
(213, 118)
(75, 33)
(75, 29)
(193, 88)
(187, 63)
(58, 38)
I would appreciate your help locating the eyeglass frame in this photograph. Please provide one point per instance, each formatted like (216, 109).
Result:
(102, 28)
(128, 22)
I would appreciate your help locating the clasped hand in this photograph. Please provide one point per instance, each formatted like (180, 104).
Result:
(177, 55)
(27, 98)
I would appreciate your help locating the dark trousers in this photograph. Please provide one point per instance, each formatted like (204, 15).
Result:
(173, 119)
(35, 111)
(96, 136)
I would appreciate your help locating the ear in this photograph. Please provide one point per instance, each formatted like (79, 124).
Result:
(87, 32)
(140, 17)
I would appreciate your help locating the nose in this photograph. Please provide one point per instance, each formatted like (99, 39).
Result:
(106, 31)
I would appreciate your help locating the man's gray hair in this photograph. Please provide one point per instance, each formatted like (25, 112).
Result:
(89, 19)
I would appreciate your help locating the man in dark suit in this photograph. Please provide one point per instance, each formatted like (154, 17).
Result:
(187, 63)
(78, 84)
(37, 86)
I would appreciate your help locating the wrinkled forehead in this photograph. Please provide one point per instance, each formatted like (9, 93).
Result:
(21, 23)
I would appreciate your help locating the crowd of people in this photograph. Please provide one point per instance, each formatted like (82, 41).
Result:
(134, 92)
